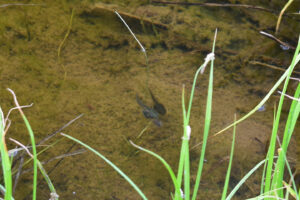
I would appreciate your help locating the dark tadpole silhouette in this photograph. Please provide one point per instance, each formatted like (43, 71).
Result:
(149, 113)
(160, 108)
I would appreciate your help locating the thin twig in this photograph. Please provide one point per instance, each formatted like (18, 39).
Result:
(18, 173)
(14, 108)
(216, 5)
(288, 96)
(20, 4)
(61, 157)
(79, 151)
(22, 145)
(296, 79)
(254, 62)
(59, 130)
(16, 101)
(14, 152)
(58, 162)
(283, 44)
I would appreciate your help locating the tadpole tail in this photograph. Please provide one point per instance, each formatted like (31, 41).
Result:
(139, 101)
(160, 108)
(152, 96)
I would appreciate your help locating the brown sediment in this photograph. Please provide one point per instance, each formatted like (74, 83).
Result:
(105, 69)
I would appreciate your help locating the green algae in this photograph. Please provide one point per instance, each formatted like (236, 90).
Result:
(105, 70)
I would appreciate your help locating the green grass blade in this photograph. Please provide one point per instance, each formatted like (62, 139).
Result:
(3, 190)
(264, 196)
(183, 148)
(263, 179)
(271, 150)
(270, 156)
(187, 163)
(6, 165)
(262, 184)
(290, 191)
(32, 144)
(230, 163)
(108, 162)
(34, 153)
(294, 116)
(290, 173)
(193, 90)
(207, 122)
(185, 152)
(46, 177)
(242, 181)
(172, 175)
(289, 129)
(186, 118)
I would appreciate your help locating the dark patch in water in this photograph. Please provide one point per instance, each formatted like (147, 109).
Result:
(236, 44)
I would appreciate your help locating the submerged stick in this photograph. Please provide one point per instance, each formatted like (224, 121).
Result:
(62, 156)
(296, 79)
(18, 173)
(254, 62)
(216, 5)
(288, 96)
(58, 162)
(284, 45)
(20, 4)
(59, 130)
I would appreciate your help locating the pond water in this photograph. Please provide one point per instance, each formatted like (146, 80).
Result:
(100, 70)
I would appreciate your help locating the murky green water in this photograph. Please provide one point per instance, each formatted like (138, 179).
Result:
(100, 71)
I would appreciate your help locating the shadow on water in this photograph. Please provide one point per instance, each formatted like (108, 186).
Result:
(105, 70)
